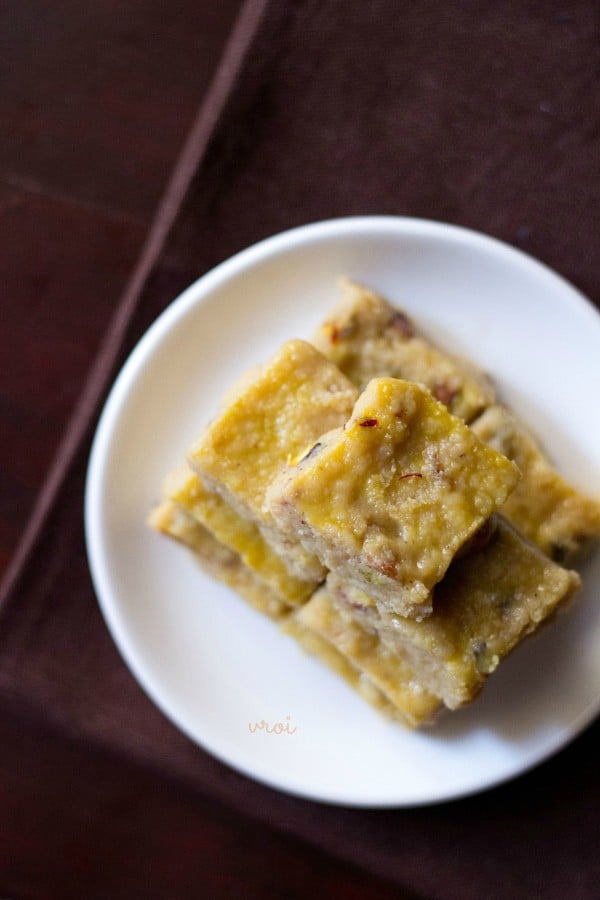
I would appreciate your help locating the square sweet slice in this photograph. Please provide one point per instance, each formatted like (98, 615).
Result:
(544, 506)
(269, 419)
(388, 500)
(488, 602)
(367, 338)
(217, 560)
(380, 666)
(241, 535)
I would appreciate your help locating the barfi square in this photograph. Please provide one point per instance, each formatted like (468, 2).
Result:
(368, 338)
(488, 602)
(270, 418)
(389, 499)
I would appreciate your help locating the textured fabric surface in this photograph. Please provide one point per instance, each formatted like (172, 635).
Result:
(484, 115)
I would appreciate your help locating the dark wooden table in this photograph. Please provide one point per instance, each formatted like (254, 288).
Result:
(95, 102)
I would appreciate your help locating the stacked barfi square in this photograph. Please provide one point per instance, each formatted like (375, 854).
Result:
(370, 494)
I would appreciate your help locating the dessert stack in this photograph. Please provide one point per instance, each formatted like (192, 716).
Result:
(369, 493)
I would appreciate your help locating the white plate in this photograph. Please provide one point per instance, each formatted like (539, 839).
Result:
(214, 665)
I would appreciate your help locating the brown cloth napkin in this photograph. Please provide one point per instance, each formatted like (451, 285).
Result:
(482, 114)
